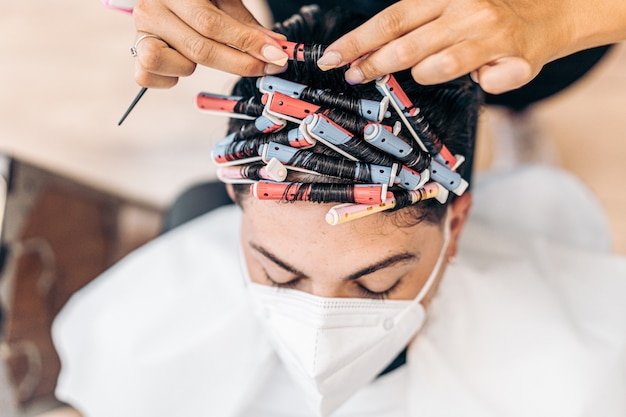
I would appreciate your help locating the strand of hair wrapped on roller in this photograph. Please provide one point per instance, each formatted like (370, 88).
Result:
(297, 140)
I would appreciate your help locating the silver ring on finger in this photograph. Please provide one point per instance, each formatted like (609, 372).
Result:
(133, 49)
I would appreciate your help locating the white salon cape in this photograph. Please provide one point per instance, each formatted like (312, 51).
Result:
(529, 321)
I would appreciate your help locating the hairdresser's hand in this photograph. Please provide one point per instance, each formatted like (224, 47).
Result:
(219, 34)
(503, 43)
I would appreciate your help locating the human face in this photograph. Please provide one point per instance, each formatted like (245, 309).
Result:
(290, 245)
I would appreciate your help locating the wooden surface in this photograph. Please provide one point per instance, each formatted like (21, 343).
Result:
(66, 238)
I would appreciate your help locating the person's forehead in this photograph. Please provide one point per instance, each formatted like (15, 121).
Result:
(305, 221)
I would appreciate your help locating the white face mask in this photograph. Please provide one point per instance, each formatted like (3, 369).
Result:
(334, 346)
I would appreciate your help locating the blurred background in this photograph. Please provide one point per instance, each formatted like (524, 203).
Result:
(84, 192)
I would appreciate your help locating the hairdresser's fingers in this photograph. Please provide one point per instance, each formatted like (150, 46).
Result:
(237, 10)
(495, 77)
(159, 66)
(452, 62)
(150, 80)
(155, 56)
(494, 36)
(388, 25)
(448, 64)
(401, 53)
(435, 51)
(210, 53)
(215, 24)
(445, 57)
(174, 20)
(505, 74)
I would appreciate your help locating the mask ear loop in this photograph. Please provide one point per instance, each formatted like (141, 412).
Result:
(435, 272)
(243, 266)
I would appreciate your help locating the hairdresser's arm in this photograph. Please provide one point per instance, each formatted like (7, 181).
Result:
(219, 34)
(503, 42)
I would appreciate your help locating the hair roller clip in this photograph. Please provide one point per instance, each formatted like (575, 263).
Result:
(381, 174)
(389, 86)
(319, 164)
(230, 151)
(285, 155)
(276, 191)
(264, 190)
(294, 51)
(298, 139)
(328, 132)
(451, 180)
(282, 153)
(272, 84)
(459, 160)
(235, 148)
(371, 110)
(233, 175)
(410, 179)
(275, 171)
(267, 123)
(397, 128)
(346, 212)
(244, 174)
(436, 148)
(343, 213)
(428, 191)
(380, 137)
(221, 105)
(286, 107)
(446, 158)
(386, 90)
(355, 193)
(370, 194)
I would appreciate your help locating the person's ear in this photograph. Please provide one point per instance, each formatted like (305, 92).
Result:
(458, 212)
(231, 192)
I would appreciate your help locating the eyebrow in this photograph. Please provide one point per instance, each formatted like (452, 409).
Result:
(284, 265)
(385, 263)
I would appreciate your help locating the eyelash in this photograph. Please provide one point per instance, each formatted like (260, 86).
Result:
(364, 291)
(291, 284)
(377, 295)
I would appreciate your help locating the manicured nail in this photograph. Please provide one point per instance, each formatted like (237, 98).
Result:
(329, 60)
(274, 55)
(354, 76)
(271, 69)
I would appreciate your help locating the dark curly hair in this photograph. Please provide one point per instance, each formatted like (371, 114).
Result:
(447, 112)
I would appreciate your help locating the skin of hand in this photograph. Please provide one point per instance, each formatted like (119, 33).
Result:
(220, 34)
(503, 44)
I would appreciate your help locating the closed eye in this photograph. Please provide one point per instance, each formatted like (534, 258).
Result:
(289, 284)
(379, 295)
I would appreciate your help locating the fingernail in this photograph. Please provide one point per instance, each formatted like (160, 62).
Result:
(354, 76)
(271, 69)
(274, 55)
(329, 60)
(474, 76)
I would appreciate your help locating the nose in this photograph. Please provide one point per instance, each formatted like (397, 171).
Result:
(328, 288)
